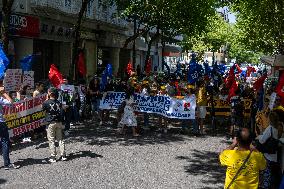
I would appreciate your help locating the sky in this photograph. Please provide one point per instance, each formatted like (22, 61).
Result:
(232, 18)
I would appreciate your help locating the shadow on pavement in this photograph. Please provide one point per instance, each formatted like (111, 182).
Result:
(32, 161)
(2, 181)
(82, 154)
(105, 135)
(206, 164)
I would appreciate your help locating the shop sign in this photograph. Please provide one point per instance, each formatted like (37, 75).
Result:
(59, 31)
(25, 26)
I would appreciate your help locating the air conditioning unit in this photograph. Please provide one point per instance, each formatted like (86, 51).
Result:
(21, 6)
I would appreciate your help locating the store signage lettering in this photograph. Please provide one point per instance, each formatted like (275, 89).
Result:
(56, 30)
(26, 26)
(18, 21)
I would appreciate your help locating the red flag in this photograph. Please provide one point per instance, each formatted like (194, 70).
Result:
(148, 66)
(250, 70)
(280, 86)
(129, 68)
(238, 68)
(259, 82)
(233, 89)
(55, 76)
(81, 64)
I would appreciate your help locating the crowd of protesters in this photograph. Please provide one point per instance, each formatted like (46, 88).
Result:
(247, 165)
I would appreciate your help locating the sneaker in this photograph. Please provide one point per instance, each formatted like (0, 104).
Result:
(101, 123)
(66, 133)
(52, 159)
(71, 124)
(63, 158)
(25, 140)
(12, 166)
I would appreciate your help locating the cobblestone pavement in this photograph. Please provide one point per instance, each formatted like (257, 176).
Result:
(100, 158)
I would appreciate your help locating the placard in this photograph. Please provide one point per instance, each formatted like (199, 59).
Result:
(28, 79)
(13, 79)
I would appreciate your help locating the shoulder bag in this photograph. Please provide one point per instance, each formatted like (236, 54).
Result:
(240, 169)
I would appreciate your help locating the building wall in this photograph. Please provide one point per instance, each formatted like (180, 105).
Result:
(23, 47)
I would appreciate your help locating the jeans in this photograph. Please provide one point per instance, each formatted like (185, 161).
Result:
(146, 119)
(76, 115)
(67, 114)
(54, 132)
(195, 127)
(5, 141)
(95, 105)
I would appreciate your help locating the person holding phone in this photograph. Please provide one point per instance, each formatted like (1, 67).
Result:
(5, 100)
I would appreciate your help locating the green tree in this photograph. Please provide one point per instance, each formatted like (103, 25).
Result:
(169, 17)
(261, 24)
(6, 13)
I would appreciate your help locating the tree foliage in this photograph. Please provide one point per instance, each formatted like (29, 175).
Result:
(261, 24)
(171, 17)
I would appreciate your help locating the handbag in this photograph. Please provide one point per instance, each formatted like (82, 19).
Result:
(270, 146)
(240, 169)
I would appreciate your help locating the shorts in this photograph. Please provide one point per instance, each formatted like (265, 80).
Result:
(202, 112)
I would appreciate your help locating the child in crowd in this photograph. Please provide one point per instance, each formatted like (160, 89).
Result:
(129, 117)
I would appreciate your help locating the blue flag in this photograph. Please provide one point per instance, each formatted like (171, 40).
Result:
(207, 68)
(4, 62)
(26, 63)
(195, 71)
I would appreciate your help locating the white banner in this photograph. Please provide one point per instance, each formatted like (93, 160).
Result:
(25, 115)
(163, 105)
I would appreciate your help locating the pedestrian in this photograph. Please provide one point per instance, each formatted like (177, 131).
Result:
(55, 127)
(270, 176)
(201, 105)
(145, 92)
(243, 163)
(237, 112)
(129, 117)
(5, 100)
(95, 97)
(39, 89)
(66, 98)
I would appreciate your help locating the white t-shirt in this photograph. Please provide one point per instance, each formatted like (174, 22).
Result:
(264, 137)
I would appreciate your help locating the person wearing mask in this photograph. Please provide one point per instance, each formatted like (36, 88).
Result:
(5, 100)
(243, 162)
(271, 173)
(53, 109)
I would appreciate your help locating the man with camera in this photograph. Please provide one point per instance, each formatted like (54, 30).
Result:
(242, 161)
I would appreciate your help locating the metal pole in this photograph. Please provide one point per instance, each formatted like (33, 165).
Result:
(134, 45)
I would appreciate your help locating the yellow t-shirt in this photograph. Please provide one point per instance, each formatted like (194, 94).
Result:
(248, 178)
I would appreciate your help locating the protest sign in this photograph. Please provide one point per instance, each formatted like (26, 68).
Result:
(25, 115)
(28, 78)
(13, 79)
(162, 105)
(68, 88)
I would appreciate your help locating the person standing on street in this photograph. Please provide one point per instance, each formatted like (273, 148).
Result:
(5, 99)
(55, 127)
(243, 162)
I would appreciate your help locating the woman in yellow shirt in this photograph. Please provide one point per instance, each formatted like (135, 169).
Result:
(233, 158)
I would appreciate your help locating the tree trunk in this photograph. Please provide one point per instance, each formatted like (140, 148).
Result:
(75, 50)
(6, 13)
(154, 38)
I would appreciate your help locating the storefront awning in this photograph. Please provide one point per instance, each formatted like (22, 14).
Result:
(172, 50)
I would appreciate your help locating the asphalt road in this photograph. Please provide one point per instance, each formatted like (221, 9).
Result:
(99, 158)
